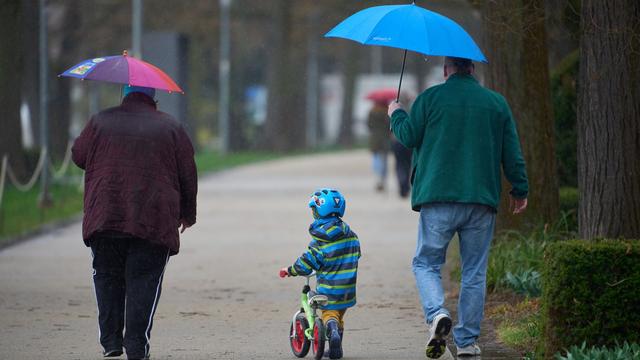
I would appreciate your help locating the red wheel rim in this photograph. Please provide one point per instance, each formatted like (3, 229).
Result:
(316, 336)
(297, 338)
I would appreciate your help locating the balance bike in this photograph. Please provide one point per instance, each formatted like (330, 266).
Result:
(301, 335)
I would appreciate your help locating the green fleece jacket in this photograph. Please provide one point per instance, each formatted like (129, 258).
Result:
(462, 134)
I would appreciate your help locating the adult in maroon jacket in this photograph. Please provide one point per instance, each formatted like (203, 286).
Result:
(140, 187)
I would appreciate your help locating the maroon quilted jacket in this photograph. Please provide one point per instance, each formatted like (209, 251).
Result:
(140, 175)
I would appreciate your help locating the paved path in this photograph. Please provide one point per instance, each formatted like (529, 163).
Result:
(221, 297)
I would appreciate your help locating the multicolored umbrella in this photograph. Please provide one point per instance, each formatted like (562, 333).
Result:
(123, 69)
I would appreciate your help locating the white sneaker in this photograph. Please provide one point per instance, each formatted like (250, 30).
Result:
(439, 329)
(469, 350)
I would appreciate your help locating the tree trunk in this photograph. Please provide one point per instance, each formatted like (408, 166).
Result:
(284, 129)
(349, 76)
(59, 116)
(608, 120)
(30, 84)
(312, 89)
(10, 79)
(517, 51)
(65, 36)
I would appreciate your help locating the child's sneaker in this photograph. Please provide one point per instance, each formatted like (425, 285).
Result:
(335, 340)
(439, 329)
(469, 350)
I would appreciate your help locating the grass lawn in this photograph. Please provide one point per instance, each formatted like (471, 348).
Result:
(211, 161)
(518, 323)
(20, 214)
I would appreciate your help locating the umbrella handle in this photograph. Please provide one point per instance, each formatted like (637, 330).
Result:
(404, 60)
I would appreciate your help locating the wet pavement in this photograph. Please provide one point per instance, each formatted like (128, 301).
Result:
(222, 298)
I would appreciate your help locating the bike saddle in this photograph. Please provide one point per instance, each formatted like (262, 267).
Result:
(318, 300)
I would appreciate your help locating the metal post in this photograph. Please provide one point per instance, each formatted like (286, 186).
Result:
(45, 198)
(224, 68)
(136, 29)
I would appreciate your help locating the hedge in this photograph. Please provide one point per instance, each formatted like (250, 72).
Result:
(591, 293)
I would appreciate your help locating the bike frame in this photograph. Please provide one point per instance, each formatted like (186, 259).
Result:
(309, 312)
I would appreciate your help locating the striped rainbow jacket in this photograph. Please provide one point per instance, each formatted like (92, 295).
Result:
(333, 253)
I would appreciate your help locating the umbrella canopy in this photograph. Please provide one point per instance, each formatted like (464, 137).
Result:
(382, 96)
(409, 27)
(123, 69)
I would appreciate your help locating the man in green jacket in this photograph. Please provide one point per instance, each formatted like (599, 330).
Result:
(462, 136)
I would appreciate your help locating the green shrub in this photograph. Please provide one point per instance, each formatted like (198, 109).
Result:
(623, 352)
(525, 283)
(591, 293)
(515, 252)
(569, 197)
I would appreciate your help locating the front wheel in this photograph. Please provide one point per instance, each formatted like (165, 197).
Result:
(297, 339)
(318, 339)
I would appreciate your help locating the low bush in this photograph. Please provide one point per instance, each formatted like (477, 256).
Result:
(569, 197)
(591, 293)
(624, 352)
(525, 283)
(517, 253)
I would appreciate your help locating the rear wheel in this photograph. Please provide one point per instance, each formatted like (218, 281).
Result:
(318, 339)
(297, 339)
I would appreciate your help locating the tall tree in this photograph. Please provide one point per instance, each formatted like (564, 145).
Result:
(64, 43)
(11, 18)
(284, 128)
(350, 63)
(31, 58)
(516, 44)
(609, 119)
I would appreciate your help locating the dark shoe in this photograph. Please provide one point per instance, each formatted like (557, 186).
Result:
(335, 340)
(112, 353)
(439, 329)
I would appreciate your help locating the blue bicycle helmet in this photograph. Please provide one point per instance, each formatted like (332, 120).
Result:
(326, 202)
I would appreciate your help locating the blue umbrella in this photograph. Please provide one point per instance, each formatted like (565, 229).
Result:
(408, 27)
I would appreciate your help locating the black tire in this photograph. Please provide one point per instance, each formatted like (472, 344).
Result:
(317, 345)
(299, 343)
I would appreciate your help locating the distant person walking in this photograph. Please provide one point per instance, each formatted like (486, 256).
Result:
(140, 187)
(402, 155)
(463, 134)
(379, 142)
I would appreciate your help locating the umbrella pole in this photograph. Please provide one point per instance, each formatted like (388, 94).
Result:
(401, 73)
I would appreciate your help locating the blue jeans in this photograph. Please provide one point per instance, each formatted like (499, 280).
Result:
(475, 225)
(380, 165)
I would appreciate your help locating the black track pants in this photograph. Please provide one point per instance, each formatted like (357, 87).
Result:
(127, 274)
